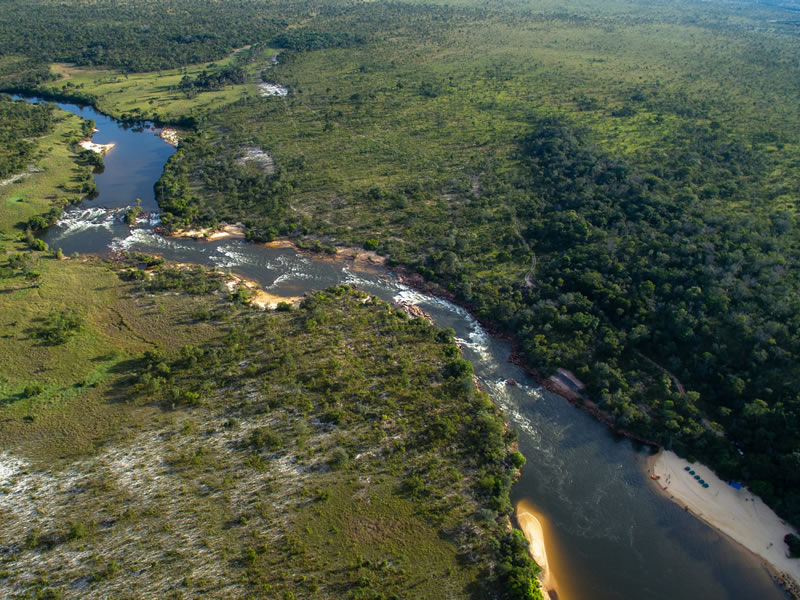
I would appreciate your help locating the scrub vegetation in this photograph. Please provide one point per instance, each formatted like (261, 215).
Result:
(336, 450)
(162, 434)
(614, 186)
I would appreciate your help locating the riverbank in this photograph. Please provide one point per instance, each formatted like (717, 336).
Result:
(258, 295)
(739, 514)
(210, 234)
(97, 148)
(170, 135)
(532, 528)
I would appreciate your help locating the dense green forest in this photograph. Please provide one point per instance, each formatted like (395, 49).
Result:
(614, 184)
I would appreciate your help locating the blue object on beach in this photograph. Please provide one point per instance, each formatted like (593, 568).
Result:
(697, 477)
(735, 485)
(705, 485)
(701, 482)
(687, 468)
(691, 472)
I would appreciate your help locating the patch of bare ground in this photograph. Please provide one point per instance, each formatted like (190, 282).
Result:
(253, 155)
(152, 514)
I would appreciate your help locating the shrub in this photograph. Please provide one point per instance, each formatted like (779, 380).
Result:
(338, 459)
(262, 438)
(794, 544)
(59, 326)
(33, 389)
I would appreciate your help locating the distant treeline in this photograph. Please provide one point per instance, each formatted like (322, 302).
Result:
(313, 40)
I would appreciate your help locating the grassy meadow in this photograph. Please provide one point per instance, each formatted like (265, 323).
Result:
(156, 95)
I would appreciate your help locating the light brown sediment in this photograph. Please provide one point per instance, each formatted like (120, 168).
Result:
(530, 523)
(209, 235)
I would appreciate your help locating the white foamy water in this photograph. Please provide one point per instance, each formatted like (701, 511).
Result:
(230, 256)
(272, 89)
(294, 268)
(477, 339)
(145, 239)
(501, 396)
(75, 221)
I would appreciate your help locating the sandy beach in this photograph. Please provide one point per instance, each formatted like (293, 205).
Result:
(534, 532)
(261, 298)
(98, 148)
(170, 135)
(208, 234)
(737, 513)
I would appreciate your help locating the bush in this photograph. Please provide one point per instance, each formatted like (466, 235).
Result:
(263, 438)
(794, 544)
(517, 459)
(338, 459)
(59, 326)
(33, 389)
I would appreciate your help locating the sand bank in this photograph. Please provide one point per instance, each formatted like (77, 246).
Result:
(170, 135)
(208, 234)
(737, 513)
(259, 297)
(99, 148)
(531, 526)
(355, 256)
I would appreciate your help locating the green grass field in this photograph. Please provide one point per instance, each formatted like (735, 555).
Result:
(156, 95)
(53, 183)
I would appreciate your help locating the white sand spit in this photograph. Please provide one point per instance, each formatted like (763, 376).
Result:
(99, 148)
(737, 513)
(531, 526)
(206, 233)
(170, 135)
(260, 298)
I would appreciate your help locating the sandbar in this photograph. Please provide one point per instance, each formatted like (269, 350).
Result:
(739, 514)
(532, 528)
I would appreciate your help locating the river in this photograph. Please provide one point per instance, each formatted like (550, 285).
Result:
(609, 535)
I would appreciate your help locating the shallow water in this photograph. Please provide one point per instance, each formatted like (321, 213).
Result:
(609, 534)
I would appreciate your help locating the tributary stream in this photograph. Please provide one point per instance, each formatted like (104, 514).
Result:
(609, 534)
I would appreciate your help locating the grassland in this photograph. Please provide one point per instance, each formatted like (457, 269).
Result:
(157, 95)
(56, 400)
(53, 180)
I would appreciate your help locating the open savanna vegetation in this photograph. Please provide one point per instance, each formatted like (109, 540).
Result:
(335, 450)
(176, 96)
(162, 437)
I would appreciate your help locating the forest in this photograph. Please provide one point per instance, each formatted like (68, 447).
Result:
(614, 185)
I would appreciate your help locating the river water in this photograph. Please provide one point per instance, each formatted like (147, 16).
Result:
(609, 535)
